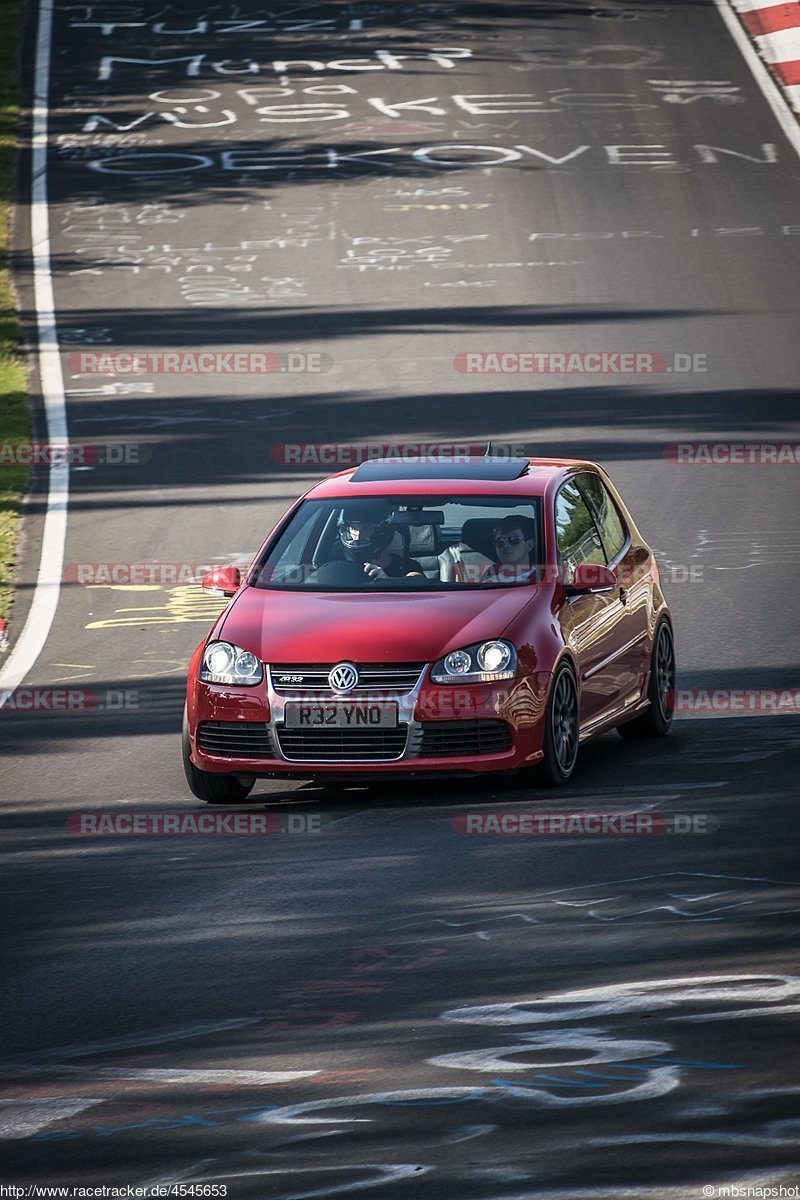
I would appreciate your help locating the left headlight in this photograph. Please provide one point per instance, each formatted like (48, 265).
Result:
(224, 663)
(485, 662)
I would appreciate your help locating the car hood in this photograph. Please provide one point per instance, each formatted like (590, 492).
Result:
(321, 627)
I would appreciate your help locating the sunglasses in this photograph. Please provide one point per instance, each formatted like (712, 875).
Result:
(508, 539)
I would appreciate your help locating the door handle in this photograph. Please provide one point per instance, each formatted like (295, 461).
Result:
(623, 596)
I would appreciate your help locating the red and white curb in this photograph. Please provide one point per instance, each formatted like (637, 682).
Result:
(775, 30)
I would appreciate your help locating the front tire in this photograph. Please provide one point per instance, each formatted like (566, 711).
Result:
(206, 786)
(656, 721)
(562, 732)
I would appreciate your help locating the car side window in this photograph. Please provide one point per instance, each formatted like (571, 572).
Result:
(576, 533)
(613, 533)
(291, 554)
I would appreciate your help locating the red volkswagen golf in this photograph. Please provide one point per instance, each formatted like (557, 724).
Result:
(415, 617)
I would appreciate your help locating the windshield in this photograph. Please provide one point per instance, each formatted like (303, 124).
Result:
(396, 543)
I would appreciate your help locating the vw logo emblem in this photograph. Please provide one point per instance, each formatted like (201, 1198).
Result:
(343, 677)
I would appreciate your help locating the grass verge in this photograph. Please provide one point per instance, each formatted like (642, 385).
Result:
(14, 409)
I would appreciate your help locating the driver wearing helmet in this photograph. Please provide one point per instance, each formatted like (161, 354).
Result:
(365, 533)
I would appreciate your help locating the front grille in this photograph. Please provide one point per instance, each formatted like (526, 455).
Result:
(342, 745)
(373, 677)
(236, 739)
(443, 738)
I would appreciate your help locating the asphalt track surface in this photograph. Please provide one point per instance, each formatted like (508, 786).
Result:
(160, 988)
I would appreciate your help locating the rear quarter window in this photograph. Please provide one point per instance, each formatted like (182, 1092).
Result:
(612, 530)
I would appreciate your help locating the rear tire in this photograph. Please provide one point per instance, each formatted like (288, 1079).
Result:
(206, 786)
(562, 732)
(656, 721)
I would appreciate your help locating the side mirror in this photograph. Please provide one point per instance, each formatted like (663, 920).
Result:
(222, 581)
(588, 578)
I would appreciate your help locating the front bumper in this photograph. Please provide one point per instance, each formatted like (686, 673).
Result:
(465, 730)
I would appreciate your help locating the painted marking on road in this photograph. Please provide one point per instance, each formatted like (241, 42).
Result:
(20, 1119)
(179, 1075)
(48, 582)
(85, 671)
(662, 1080)
(185, 605)
(756, 897)
(642, 996)
(299, 1114)
(380, 1174)
(600, 1048)
(127, 1042)
(708, 914)
(752, 1183)
(696, 1062)
(567, 1082)
(728, 1014)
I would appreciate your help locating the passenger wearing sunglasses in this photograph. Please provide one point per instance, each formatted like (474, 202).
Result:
(514, 541)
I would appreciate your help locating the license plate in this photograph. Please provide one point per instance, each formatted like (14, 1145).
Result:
(364, 715)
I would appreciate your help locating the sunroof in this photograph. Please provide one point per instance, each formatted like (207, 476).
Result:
(384, 470)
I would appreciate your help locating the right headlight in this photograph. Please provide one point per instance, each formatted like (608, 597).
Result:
(484, 662)
(225, 663)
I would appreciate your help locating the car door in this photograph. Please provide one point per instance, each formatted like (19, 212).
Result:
(631, 565)
(593, 625)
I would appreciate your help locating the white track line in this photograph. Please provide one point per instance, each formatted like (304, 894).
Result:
(774, 96)
(48, 582)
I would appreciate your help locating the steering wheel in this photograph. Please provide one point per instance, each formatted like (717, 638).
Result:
(341, 573)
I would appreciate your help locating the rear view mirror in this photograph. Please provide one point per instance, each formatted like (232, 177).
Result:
(222, 581)
(418, 516)
(590, 577)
